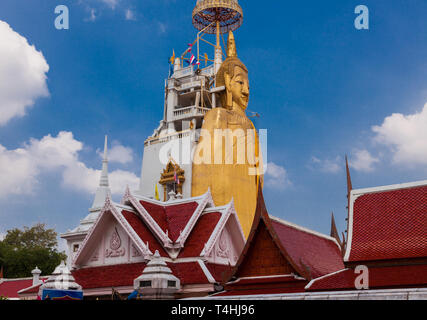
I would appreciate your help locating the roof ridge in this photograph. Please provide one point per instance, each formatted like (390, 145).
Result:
(304, 229)
(390, 187)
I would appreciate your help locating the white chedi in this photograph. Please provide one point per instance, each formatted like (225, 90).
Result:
(157, 280)
(61, 279)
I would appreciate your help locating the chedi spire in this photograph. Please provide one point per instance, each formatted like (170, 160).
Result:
(104, 189)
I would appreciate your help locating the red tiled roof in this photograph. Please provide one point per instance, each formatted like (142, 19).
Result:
(10, 287)
(32, 289)
(265, 280)
(108, 276)
(124, 274)
(144, 233)
(200, 235)
(379, 278)
(218, 271)
(265, 285)
(188, 272)
(172, 218)
(390, 225)
(307, 250)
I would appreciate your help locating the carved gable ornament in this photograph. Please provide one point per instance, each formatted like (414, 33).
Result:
(115, 249)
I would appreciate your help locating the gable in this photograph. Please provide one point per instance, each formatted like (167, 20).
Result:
(228, 244)
(263, 257)
(110, 244)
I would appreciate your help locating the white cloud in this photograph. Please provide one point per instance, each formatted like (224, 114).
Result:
(327, 165)
(162, 27)
(362, 160)
(118, 153)
(111, 3)
(276, 176)
(92, 16)
(130, 15)
(20, 168)
(22, 74)
(405, 136)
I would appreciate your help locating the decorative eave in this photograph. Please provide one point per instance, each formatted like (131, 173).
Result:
(261, 214)
(109, 206)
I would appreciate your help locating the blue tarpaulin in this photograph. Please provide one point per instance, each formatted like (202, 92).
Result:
(53, 294)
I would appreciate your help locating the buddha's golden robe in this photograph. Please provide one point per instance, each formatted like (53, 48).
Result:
(236, 178)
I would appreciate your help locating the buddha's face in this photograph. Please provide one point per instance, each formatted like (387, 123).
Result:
(238, 87)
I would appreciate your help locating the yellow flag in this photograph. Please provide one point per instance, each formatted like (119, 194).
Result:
(156, 193)
(206, 59)
(172, 59)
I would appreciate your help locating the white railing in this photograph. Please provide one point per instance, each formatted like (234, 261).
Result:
(190, 111)
(169, 137)
(183, 72)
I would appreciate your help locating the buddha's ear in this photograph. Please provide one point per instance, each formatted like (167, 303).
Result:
(229, 97)
(227, 80)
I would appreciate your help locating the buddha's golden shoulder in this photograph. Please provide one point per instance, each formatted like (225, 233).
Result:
(216, 117)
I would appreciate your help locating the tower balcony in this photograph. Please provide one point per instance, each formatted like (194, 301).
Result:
(189, 112)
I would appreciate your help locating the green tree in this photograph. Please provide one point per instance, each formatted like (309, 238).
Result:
(22, 250)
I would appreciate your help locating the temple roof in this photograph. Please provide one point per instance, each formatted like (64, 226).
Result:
(307, 253)
(388, 223)
(379, 277)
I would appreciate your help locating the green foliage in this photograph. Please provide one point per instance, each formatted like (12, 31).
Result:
(22, 250)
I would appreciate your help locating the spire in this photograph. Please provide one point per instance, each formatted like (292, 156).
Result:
(349, 185)
(334, 231)
(103, 190)
(104, 174)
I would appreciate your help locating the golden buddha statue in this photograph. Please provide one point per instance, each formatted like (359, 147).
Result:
(232, 170)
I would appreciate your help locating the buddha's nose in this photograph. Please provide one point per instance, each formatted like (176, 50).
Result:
(245, 89)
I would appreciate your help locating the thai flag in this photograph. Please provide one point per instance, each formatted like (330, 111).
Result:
(193, 60)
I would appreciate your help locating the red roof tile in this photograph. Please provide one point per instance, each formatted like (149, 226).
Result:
(390, 225)
(218, 271)
(173, 218)
(189, 272)
(320, 255)
(108, 276)
(124, 274)
(32, 289)
(144, 232)
(10, 287)
(379, 278)
(200, 235)
(264, 280)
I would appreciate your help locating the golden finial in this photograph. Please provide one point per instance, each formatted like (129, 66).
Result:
(231, 45)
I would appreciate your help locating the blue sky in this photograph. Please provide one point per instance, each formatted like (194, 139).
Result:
(323, 89)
